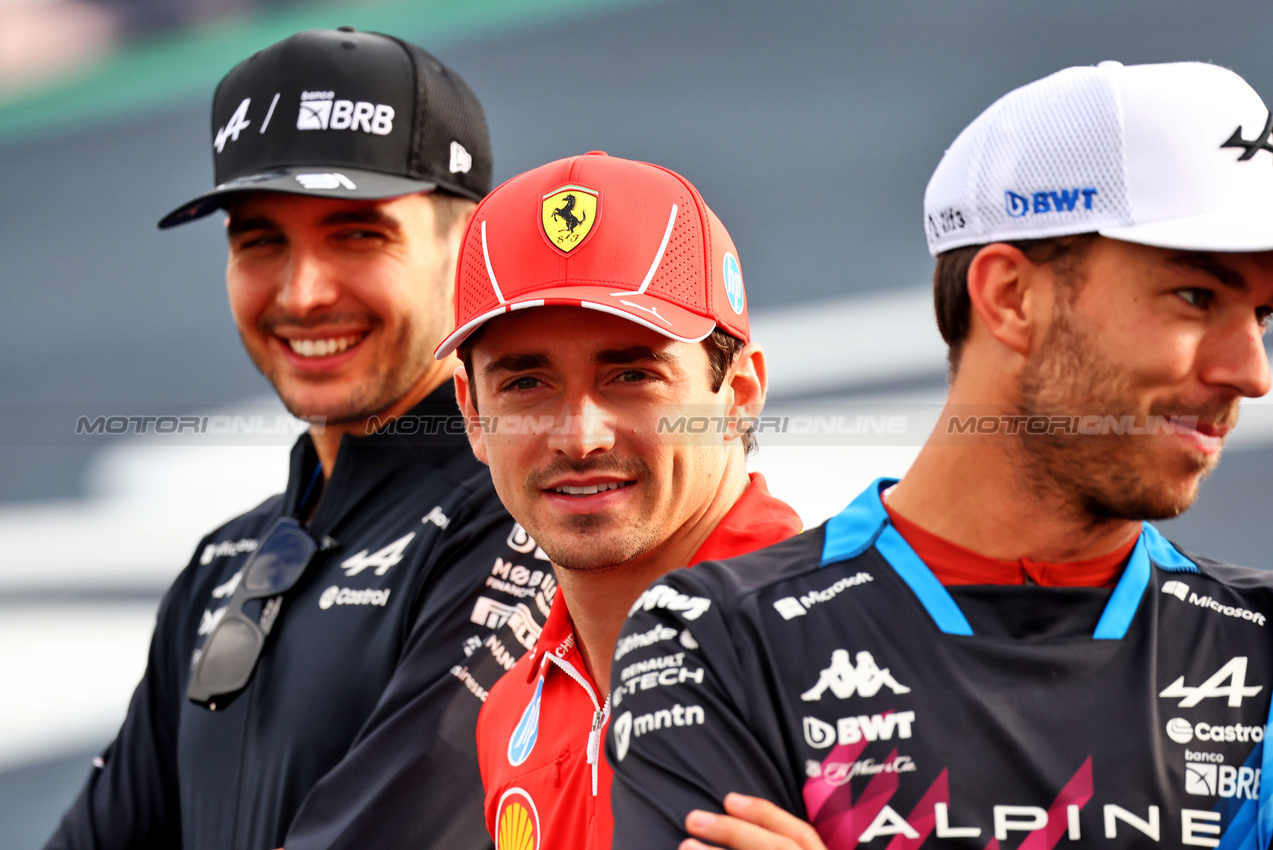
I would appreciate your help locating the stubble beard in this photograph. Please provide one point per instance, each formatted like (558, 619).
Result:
(1101, 478)
(594, 543)
(387, 383)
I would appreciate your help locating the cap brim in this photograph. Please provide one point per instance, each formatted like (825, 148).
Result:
(1228, 230)
(312, 180)
(664, 317)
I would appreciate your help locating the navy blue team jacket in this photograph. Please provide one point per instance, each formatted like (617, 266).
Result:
(834, 675)
(357, 727)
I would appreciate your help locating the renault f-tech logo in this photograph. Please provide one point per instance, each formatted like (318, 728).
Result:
(516, 822)
(1254, 146)
(568, 215)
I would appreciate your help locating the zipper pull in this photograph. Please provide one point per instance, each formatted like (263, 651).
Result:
(594, 737)
(594, 743)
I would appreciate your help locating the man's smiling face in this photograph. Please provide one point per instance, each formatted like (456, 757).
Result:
(339, 303)
(594, 481)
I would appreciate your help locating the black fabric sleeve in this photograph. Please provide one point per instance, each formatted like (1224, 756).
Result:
(411, 779)
(130, 800)
(687, 699)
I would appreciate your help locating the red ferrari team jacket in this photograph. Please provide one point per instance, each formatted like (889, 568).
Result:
(540, 732)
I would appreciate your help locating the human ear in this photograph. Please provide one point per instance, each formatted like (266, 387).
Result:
(1007, 298)
(747, 381)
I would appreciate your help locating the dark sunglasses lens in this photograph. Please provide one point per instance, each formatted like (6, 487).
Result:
(227, 661)
(280, 560)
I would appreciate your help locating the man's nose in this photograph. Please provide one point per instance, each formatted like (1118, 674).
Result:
(307, 284)
(584, 427)
(1237, 358)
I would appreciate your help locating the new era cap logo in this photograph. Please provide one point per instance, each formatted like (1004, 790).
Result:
(1251, 148)
(461, 160)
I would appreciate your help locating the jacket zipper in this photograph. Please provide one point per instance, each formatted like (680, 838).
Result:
(600, 714)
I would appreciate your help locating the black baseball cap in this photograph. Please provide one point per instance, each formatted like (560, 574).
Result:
(344, 114)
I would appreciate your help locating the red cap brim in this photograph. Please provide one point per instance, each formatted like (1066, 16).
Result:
(664, 317)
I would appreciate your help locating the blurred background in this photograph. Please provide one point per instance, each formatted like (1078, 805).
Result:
(810, 126)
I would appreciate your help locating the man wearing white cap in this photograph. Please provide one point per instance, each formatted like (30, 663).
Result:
(1045, 668)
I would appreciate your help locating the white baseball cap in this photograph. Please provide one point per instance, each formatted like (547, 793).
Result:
(1175, 155)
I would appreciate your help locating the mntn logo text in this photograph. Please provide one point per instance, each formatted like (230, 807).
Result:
(851, 730)
(1064, 200)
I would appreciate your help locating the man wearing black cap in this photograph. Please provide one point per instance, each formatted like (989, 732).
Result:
(317, 669)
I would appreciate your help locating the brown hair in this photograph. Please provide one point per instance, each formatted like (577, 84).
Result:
(722, 351)
(950, 281)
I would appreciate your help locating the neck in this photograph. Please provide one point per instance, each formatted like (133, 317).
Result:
(978, 493)
(327, 439)
(599, 601)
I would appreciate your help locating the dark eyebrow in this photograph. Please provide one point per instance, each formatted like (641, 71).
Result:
(369, 215)
(632, 354)
(1208, 264)
(517, 362)
(238, 226)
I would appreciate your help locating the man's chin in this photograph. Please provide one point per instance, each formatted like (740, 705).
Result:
(595, 548)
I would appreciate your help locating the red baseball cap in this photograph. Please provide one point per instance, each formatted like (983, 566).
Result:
(627, 238)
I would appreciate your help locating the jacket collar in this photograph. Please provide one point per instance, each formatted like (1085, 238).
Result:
(419, 441)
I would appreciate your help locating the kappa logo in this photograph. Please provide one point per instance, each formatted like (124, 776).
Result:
(381, 559)
(516, 822)
(1251, 148)
(320, 110)
(844, 679)
(522, 741)
(1233, 672)
(568, 216)
(1064, 200)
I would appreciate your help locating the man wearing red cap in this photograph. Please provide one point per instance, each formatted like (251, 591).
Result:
(641, 320)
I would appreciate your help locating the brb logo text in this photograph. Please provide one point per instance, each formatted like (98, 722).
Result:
(320, 110)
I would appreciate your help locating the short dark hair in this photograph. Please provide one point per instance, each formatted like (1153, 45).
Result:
(447, 210)
(722, 350)
(950, 281)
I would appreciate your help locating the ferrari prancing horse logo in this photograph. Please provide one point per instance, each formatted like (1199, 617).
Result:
(569, 215)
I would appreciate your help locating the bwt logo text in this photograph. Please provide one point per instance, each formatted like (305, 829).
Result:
(1066, 200)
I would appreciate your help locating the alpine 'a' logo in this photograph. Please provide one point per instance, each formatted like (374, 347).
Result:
(522, 741)
(1233, 672)
(1251, 148)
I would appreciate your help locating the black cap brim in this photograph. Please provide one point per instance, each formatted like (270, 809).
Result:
(310, 180)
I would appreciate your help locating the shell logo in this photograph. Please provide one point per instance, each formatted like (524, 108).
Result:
(516, 822)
